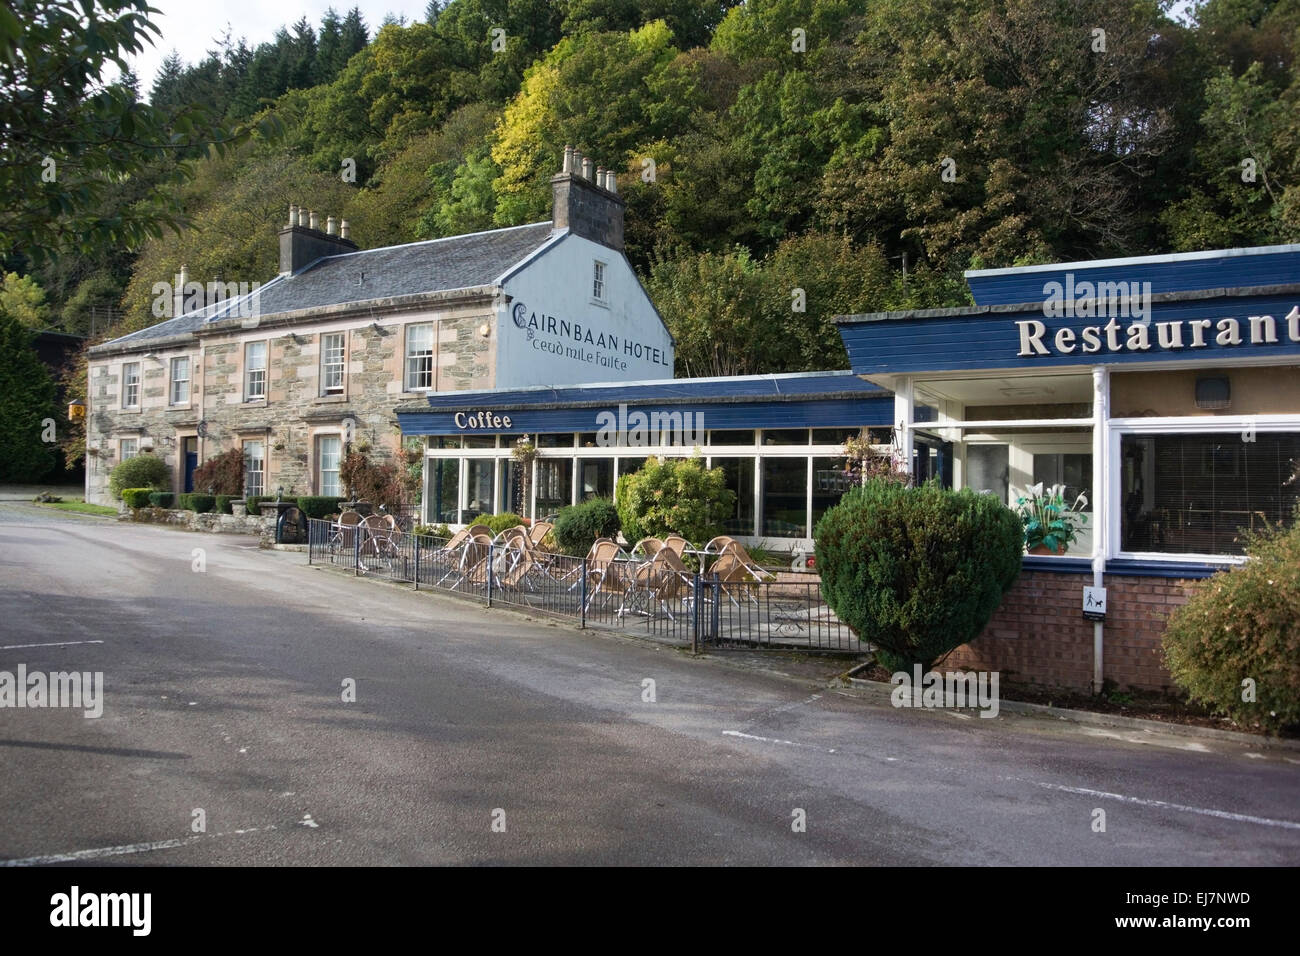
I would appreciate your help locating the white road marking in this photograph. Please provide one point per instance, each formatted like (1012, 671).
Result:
(1164, 805)
(104, 851)
(14, 647)
(772, 740)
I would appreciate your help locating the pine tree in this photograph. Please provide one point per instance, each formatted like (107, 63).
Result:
(165, 92)
(26, 406)
(355, 34)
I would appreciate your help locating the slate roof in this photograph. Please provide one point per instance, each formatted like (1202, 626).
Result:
(435, 265)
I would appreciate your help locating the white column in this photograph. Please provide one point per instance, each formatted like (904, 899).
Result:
(904, 411)
(1100, 504)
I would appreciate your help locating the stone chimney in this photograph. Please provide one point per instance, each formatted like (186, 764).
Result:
(302, 242)
(584, 204)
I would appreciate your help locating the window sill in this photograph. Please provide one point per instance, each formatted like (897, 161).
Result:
(329, 399)
(255, 401)
(603, 303)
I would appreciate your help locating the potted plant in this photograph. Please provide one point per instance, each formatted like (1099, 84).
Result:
(1051, 525)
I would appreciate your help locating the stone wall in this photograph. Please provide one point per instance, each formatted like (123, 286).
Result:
(261, 525)
(1039, 636)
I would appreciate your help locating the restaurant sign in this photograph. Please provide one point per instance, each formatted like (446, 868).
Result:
(1146, 336)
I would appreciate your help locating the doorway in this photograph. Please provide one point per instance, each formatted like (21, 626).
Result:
(190, 449)
(932, 459)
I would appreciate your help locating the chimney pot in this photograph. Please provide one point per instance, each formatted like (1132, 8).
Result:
(568, 160)
(329, 225)
(577, 161)
(315, 221)
(586, 168)
(343, 230)
(293, 215)
(610, 182)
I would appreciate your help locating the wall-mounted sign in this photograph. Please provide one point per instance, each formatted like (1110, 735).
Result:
(1094, 604)
(1148, 336)
(584, 343)
(481, 420)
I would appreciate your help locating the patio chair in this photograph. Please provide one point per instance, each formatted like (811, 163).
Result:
(524, 569)
(539, 531)
(379, 539)
(733, 577)
(719, 544)
(655, 584)
(647, 547)
(675, 542)
(758, 571)
(343, 532)
(474, 561)
(606, 570)
(478, 529)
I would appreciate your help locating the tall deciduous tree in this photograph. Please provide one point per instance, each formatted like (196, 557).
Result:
(26, 406)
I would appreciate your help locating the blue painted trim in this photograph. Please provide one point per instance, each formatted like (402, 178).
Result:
(1040, 562)
(1126, 568)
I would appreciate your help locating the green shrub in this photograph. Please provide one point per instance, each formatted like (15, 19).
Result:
(579, 525)
(185, 501)
(162, 499)
(222, 474)
(499, 523)
(1244, 625)
(917, 571)
(674, 496)
(136, 497)
(223, 504)
(319, 506)
(142, 471)
(432, 531)
(202, 503)
(252, 501)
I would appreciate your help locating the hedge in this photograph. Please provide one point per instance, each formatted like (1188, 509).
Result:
(499, 523)
(137, 497)
(162, 499)
(917, 571)
(196, 502)
(319, 506)
(223, 504)
(579, 525)
(142, 471)
(253, 500)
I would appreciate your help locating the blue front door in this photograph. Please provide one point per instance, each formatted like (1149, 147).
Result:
(191, 462)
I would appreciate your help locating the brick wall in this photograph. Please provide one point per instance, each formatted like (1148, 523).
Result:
(1039, 636)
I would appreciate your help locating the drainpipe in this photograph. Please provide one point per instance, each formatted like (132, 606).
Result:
(1100, 504)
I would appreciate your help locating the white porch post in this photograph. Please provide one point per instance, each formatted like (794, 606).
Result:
(904, 412)
(1100, 504)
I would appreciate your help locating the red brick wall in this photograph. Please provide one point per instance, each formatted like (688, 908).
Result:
(1039, 636)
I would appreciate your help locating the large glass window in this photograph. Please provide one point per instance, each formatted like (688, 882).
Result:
(331, 363)
(180, 392)
(254, 467)
(988, 468)
(479, 482)
(444, 490)
(1194, 493)
(740, 479)
(785, 436)
(597, 478)
(833, 436)
(562, 440)
(480, 441)
(785, 497)
(254, 371)
(328, 452)
(731, 437)
(829, 484)
(510, 486)
(131, 385)
(554, 484)
(419, 357)
(1073, 471)
(129, 448)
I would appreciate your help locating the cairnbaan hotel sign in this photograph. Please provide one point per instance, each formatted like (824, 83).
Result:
(1144, 336)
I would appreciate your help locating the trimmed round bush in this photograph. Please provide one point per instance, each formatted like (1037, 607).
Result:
(162, 499)
(202, 503)
(252, 502)
(1235, 645)
(142, 471)
(319, 506)
(499, 523)
(223, 504)
(137, 497)
(579, 525)
(674, 496)
(917, 571)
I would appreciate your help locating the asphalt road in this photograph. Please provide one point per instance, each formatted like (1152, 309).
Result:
(224, 693)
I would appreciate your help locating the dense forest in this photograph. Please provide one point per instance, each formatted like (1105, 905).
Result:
(865, 152)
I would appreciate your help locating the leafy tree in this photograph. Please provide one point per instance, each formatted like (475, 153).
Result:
(222, 474)
(22, 298)
(674, 496)
(68, 134)
(26, 406)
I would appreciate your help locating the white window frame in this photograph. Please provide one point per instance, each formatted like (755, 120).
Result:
(600, 282)
(123, 443)
(258, 488)
(1202, 424)
(250, 394)
(411, 375)
(321, 471)
(173, 381)
(131, 390)
(327, 366)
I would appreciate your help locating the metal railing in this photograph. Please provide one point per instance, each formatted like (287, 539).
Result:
(688, 607)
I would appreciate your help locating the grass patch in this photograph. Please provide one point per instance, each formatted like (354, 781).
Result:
(80, 507)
